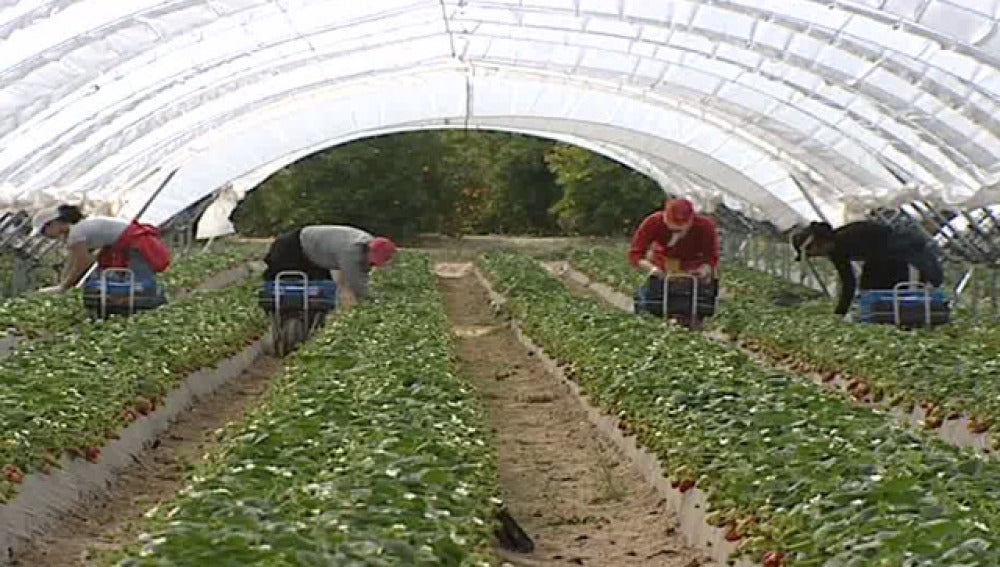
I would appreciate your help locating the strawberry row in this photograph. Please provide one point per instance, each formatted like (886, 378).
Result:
(36, 315)
(949, 370)
(798, 476)
(369, 450)
(72, 395)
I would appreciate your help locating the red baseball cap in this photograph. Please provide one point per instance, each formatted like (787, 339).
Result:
(381, 250)
(678, 213)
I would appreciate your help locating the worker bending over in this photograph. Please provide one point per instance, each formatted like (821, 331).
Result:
(316, 250)
(122, 244)
(676, 240)
(887, 255)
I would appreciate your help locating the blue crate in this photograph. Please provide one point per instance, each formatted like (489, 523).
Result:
(119, 287)
(877, 306)
(317, 288)
(321, 294)
(147, 294)
(649, 298)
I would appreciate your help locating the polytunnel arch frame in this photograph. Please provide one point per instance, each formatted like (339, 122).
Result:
(707, 194)
(730, 174)
(948, 56)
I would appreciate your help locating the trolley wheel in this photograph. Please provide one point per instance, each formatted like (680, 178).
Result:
(292, 332)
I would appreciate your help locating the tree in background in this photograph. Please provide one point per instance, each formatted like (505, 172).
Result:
(600, 196)
(383, 184)
(453, 182)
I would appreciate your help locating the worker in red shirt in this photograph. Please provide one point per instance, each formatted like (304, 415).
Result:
(676, 239)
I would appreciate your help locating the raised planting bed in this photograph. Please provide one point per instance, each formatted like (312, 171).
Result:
(72, 395)
(369, 450)
(195, 270)
(934, 376)
(794, 474)
(35, 315)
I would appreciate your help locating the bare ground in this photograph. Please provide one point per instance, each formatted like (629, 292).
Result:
(568, 488)
(115, 518)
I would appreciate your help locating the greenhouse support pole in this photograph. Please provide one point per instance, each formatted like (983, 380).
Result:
(144, 208)
(809, 199)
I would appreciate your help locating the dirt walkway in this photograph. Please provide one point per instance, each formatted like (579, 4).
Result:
(568, 488)
(156, 476)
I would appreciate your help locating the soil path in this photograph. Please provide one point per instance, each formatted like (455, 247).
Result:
(568, 488)
(116, 518)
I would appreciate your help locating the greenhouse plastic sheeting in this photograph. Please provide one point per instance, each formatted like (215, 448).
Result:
(795, 109)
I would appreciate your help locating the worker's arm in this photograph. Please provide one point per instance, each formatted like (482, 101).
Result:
(714, 246)
(848, 283)
(347, 297)
(353, 277)
(704, 259)
(641, 240)
(77, 263)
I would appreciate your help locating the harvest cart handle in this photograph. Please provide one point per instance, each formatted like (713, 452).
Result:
(277, 292)
(896, 310)
(104, 290)
(694, 293)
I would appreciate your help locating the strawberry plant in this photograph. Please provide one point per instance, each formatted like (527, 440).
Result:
(951, 368)
(792, 472)
(71, 394)
(191, 270)
(369, 450)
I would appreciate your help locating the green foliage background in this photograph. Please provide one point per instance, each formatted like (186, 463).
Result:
(453, 182)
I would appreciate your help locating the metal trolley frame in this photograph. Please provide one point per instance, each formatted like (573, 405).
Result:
(289, 327)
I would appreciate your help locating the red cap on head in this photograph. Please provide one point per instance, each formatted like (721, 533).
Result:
(380, 250)
(678, 213)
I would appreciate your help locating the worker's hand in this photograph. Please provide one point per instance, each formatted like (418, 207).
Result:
(51, 290)
(655, 272)
(347, 299)
(704, 271)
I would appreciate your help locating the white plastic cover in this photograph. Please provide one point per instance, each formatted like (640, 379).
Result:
(794, 109)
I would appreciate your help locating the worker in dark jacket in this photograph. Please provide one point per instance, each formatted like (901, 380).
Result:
(887, 254)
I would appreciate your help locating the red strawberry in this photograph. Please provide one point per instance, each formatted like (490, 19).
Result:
(774, 559)
(675, 483)
(933, 422)
(13, 474)
(129, 415)
(93, 454)
(733, 534)
(830, 377)
(686, 485)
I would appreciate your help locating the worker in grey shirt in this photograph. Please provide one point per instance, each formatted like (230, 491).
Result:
(318, 249)
(84, 235)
